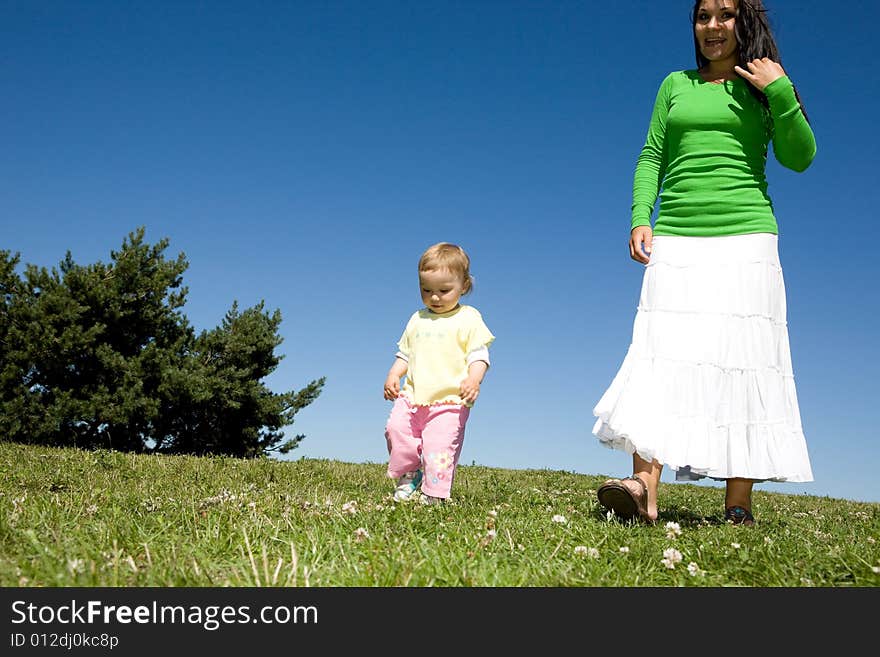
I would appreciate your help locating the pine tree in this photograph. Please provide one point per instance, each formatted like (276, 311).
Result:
(103, 356)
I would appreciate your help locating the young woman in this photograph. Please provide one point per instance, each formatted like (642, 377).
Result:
(707, 385)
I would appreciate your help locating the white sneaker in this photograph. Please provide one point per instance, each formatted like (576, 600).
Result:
(407, 485)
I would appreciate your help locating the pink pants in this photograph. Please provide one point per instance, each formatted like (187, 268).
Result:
(427, 437)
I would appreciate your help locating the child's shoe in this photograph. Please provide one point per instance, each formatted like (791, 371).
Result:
(407, 485)
(429, 499)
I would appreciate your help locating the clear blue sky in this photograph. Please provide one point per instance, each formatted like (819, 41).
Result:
(305, 153)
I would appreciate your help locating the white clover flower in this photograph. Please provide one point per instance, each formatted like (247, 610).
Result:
(590, 552)
(768, 540)
(672, 529)
(350, 507)
(18, 504)
(876, 569)
(735, 546)
(361, 534)
(671, 556)
(491, 534)
(871, 540)
(693, 568)
(75, 566)
(493, 513)
(672, 553)
(559, 518)
(624, 549)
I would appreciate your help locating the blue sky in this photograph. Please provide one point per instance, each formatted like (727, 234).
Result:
(305, 153)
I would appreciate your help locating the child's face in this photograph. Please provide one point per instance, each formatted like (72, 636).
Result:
(441, 289)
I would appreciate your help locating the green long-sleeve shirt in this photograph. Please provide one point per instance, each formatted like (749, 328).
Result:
(706, 154)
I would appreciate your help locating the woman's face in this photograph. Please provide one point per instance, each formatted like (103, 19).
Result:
(714, 29)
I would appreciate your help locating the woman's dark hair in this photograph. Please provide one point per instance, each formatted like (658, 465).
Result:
(754, 40)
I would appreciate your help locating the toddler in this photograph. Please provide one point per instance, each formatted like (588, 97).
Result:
(444, 354)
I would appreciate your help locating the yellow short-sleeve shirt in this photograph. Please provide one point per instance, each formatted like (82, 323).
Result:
(436, 347)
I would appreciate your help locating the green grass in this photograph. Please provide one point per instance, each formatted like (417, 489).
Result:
(77, 518)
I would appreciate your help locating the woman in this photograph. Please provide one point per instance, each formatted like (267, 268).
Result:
(707, 386)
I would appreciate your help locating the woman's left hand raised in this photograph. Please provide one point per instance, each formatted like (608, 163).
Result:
(761, 72)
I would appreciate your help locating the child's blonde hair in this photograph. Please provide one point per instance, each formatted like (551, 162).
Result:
(450, 257)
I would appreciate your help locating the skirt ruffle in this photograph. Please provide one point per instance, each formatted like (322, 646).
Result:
(706, 386)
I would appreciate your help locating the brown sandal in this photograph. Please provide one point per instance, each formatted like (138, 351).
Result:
(615, 496)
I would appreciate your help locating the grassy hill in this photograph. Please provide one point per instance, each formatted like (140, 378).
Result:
(77, 518)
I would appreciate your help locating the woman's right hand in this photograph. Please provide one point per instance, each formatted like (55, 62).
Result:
(638, 236)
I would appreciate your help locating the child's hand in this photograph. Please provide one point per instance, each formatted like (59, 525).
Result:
(392, 388)
(469, 390)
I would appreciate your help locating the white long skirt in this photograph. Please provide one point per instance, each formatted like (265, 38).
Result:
(706, 386)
